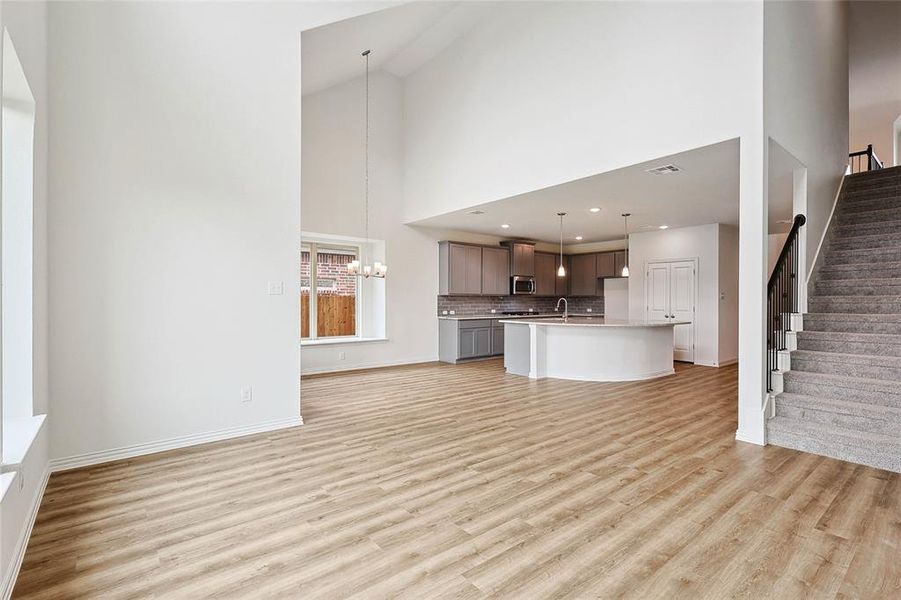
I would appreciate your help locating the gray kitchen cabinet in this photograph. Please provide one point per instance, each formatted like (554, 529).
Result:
(546, 273)
(495, 271)
(522, 258)
(619, 257)
(584, 281)
(475, 342)
(606, 264)
(459, 269)
(497, 339)
(465, 339)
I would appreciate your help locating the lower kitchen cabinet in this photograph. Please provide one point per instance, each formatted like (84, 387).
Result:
(464, 339)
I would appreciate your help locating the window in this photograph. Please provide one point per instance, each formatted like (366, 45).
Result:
(330, 299)
(337, 308)
(19, 424)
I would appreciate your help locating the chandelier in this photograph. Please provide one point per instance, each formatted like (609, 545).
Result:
(376, 269)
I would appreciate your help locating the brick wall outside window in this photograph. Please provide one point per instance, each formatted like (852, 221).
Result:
(333, 276)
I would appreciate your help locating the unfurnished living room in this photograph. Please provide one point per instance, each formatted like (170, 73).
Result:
(451, 299)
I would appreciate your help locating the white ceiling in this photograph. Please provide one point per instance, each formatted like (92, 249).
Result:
(705, 191)
(402, 39)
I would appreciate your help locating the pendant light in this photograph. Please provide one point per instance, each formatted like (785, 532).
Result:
(377, 269)
(561, 272)
(626, 237)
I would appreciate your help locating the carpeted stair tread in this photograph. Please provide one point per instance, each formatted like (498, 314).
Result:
(842, 387)
(867, 448)
(865, 242)
(841, 407)
(840, 231)
(848, 359)
(875, 304)
(847, 336)
(858, 287)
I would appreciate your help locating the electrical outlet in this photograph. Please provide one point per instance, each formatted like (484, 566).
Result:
(246, 393)
(587, 310)
(443, 312)
(276, 288)
(340, 356)
(453, 312)
(493, 311)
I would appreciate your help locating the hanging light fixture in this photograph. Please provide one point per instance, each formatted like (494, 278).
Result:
(561, 272)
(377, 269)
(626, 237)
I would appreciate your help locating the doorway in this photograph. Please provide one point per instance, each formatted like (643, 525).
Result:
(671, 294)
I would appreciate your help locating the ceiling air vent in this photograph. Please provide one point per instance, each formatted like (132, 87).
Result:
(664, 170)
(476, 212)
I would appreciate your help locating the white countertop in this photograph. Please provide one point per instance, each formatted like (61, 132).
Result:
(510, 317)
(581, 321)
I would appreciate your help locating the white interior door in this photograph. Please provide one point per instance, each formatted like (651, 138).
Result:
(657, 282)
(682, 308)
(670, 289)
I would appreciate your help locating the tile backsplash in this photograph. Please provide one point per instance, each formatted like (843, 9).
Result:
(482, 305)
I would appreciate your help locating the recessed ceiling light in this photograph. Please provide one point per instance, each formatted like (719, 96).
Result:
(505, 226)
(664, 227)
(595, 209)
(579, 237)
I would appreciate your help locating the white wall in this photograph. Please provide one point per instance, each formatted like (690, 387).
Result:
(175, 149)
(547, 92)
(806, 97)
(875, 72)
(701, 242)
(332, 167)
(26, 23)
(774, 244)
(727, 311)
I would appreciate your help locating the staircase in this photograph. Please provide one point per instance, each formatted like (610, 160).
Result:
(842, 394)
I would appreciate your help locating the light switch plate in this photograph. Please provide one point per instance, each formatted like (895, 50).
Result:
(276, 288)
(246, 393)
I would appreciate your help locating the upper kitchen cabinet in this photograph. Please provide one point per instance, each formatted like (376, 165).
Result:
(495, 271)
(619, 257)
(606, 264)
(545, 274)
(459, 269)
(584, 280)
(547, 282)
(522, 258)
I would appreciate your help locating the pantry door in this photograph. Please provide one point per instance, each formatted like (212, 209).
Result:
(671, 294)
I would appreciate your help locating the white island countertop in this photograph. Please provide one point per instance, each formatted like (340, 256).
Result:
(589, 348)
(594, 322)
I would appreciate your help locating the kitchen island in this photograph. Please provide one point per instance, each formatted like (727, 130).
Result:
(589, 348)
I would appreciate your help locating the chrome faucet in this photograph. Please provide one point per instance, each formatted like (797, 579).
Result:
(565, 309)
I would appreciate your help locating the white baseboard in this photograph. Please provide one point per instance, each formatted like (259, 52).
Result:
(95, 458)
(367, 365)
(9, 578)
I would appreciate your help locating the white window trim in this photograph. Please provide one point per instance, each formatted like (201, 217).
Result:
(313, 243)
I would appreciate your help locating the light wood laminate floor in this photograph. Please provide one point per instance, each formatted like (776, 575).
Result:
(464, 482)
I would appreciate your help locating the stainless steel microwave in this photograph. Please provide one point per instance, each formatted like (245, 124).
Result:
(520, 284)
